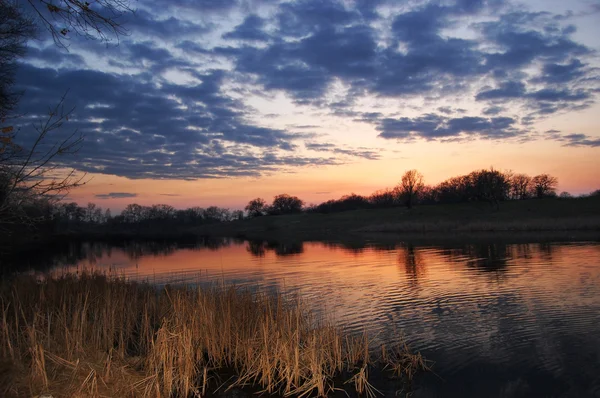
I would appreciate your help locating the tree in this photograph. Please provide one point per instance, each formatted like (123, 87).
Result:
(133, 213)
(31, 173)
(520, 186)
(256, 207)
(383, 198)
(286, 204)
(544, 185)
(15, 30)
(489, 185)
(97, 19)
(410, 187)
(107, 216)
(565, 195)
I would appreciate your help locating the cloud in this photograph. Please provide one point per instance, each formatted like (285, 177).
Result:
(173, 100)
(138, 129)
(436, 127)
(420, 58)
(251, 29)
(150, 24)
(354, 152)
(493, 110)
(115, 195)
(555, 73)
(578, 140)
(506, 91)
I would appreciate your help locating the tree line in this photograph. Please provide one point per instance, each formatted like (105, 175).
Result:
(491, 186)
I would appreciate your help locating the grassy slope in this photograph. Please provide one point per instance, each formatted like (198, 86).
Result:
(549, 215)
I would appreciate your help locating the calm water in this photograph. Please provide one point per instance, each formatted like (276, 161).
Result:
(498, 320)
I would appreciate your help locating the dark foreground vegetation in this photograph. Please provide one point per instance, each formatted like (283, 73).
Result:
(93, 335)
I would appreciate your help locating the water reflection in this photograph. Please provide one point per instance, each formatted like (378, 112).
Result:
(259, 248)
(498, 319)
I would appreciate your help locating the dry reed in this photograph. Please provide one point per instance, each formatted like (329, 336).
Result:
(95, 335)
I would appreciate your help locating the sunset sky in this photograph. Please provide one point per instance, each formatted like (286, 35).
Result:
(216, 102)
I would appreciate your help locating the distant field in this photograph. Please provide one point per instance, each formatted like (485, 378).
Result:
(528, 216)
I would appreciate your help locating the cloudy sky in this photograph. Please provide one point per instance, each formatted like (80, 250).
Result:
(220, 101)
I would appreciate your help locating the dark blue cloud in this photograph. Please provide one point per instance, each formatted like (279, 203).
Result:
(364, 153)
(422, 25)
(51, 54)
(435, 127)
(138, 129)
(493, 110)
(140, 124)
(251, 29)
(507, 90)
(150, 24)
(577, 140)
(300, 18)
(562, 73)
(521, 44)
(331, 42)
(115, 195)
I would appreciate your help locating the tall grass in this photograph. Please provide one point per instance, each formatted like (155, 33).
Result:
(95, 335)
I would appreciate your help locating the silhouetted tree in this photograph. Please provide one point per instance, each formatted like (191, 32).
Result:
(544, 185)
(384, 198)
(286, 204)
(97, 19)
(133, 213)
(29, 174)
(256, 207)
(345, 203)
(411, 187)
(520, 186)
(15, 29)
(489, 185)
(214, 214)
(565, 195)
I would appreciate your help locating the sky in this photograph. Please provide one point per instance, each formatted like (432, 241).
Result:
(216, 102)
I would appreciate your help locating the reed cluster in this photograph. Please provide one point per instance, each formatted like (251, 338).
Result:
(95, 335)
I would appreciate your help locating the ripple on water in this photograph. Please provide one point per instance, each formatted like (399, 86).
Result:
(512, 316)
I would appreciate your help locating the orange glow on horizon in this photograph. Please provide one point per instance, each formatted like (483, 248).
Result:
(575, 168)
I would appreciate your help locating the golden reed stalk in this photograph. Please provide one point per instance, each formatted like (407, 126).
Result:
(95, 335)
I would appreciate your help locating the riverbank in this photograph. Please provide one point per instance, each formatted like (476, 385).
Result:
(94, 335)
(557, 217)
(551, 219)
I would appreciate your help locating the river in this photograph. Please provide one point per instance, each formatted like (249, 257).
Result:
(495, 319)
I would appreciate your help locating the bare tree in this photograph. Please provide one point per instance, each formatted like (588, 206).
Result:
(94, 19)
(520, 186)
(544, 185)
(411, 186)
(32, 173)
(15, 30)
(286, 204)
(256, 207)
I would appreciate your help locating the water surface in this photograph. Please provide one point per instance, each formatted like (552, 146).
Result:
(498, 320)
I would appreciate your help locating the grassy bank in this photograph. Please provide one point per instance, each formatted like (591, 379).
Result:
(92, 336)
(559, 217)
(547, 219)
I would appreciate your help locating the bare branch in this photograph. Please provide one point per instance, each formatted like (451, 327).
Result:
(93, 19)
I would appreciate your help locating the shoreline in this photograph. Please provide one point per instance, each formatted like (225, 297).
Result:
(62, 336)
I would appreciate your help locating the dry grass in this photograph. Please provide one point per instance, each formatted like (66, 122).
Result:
(99, 336)
(532, 225)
